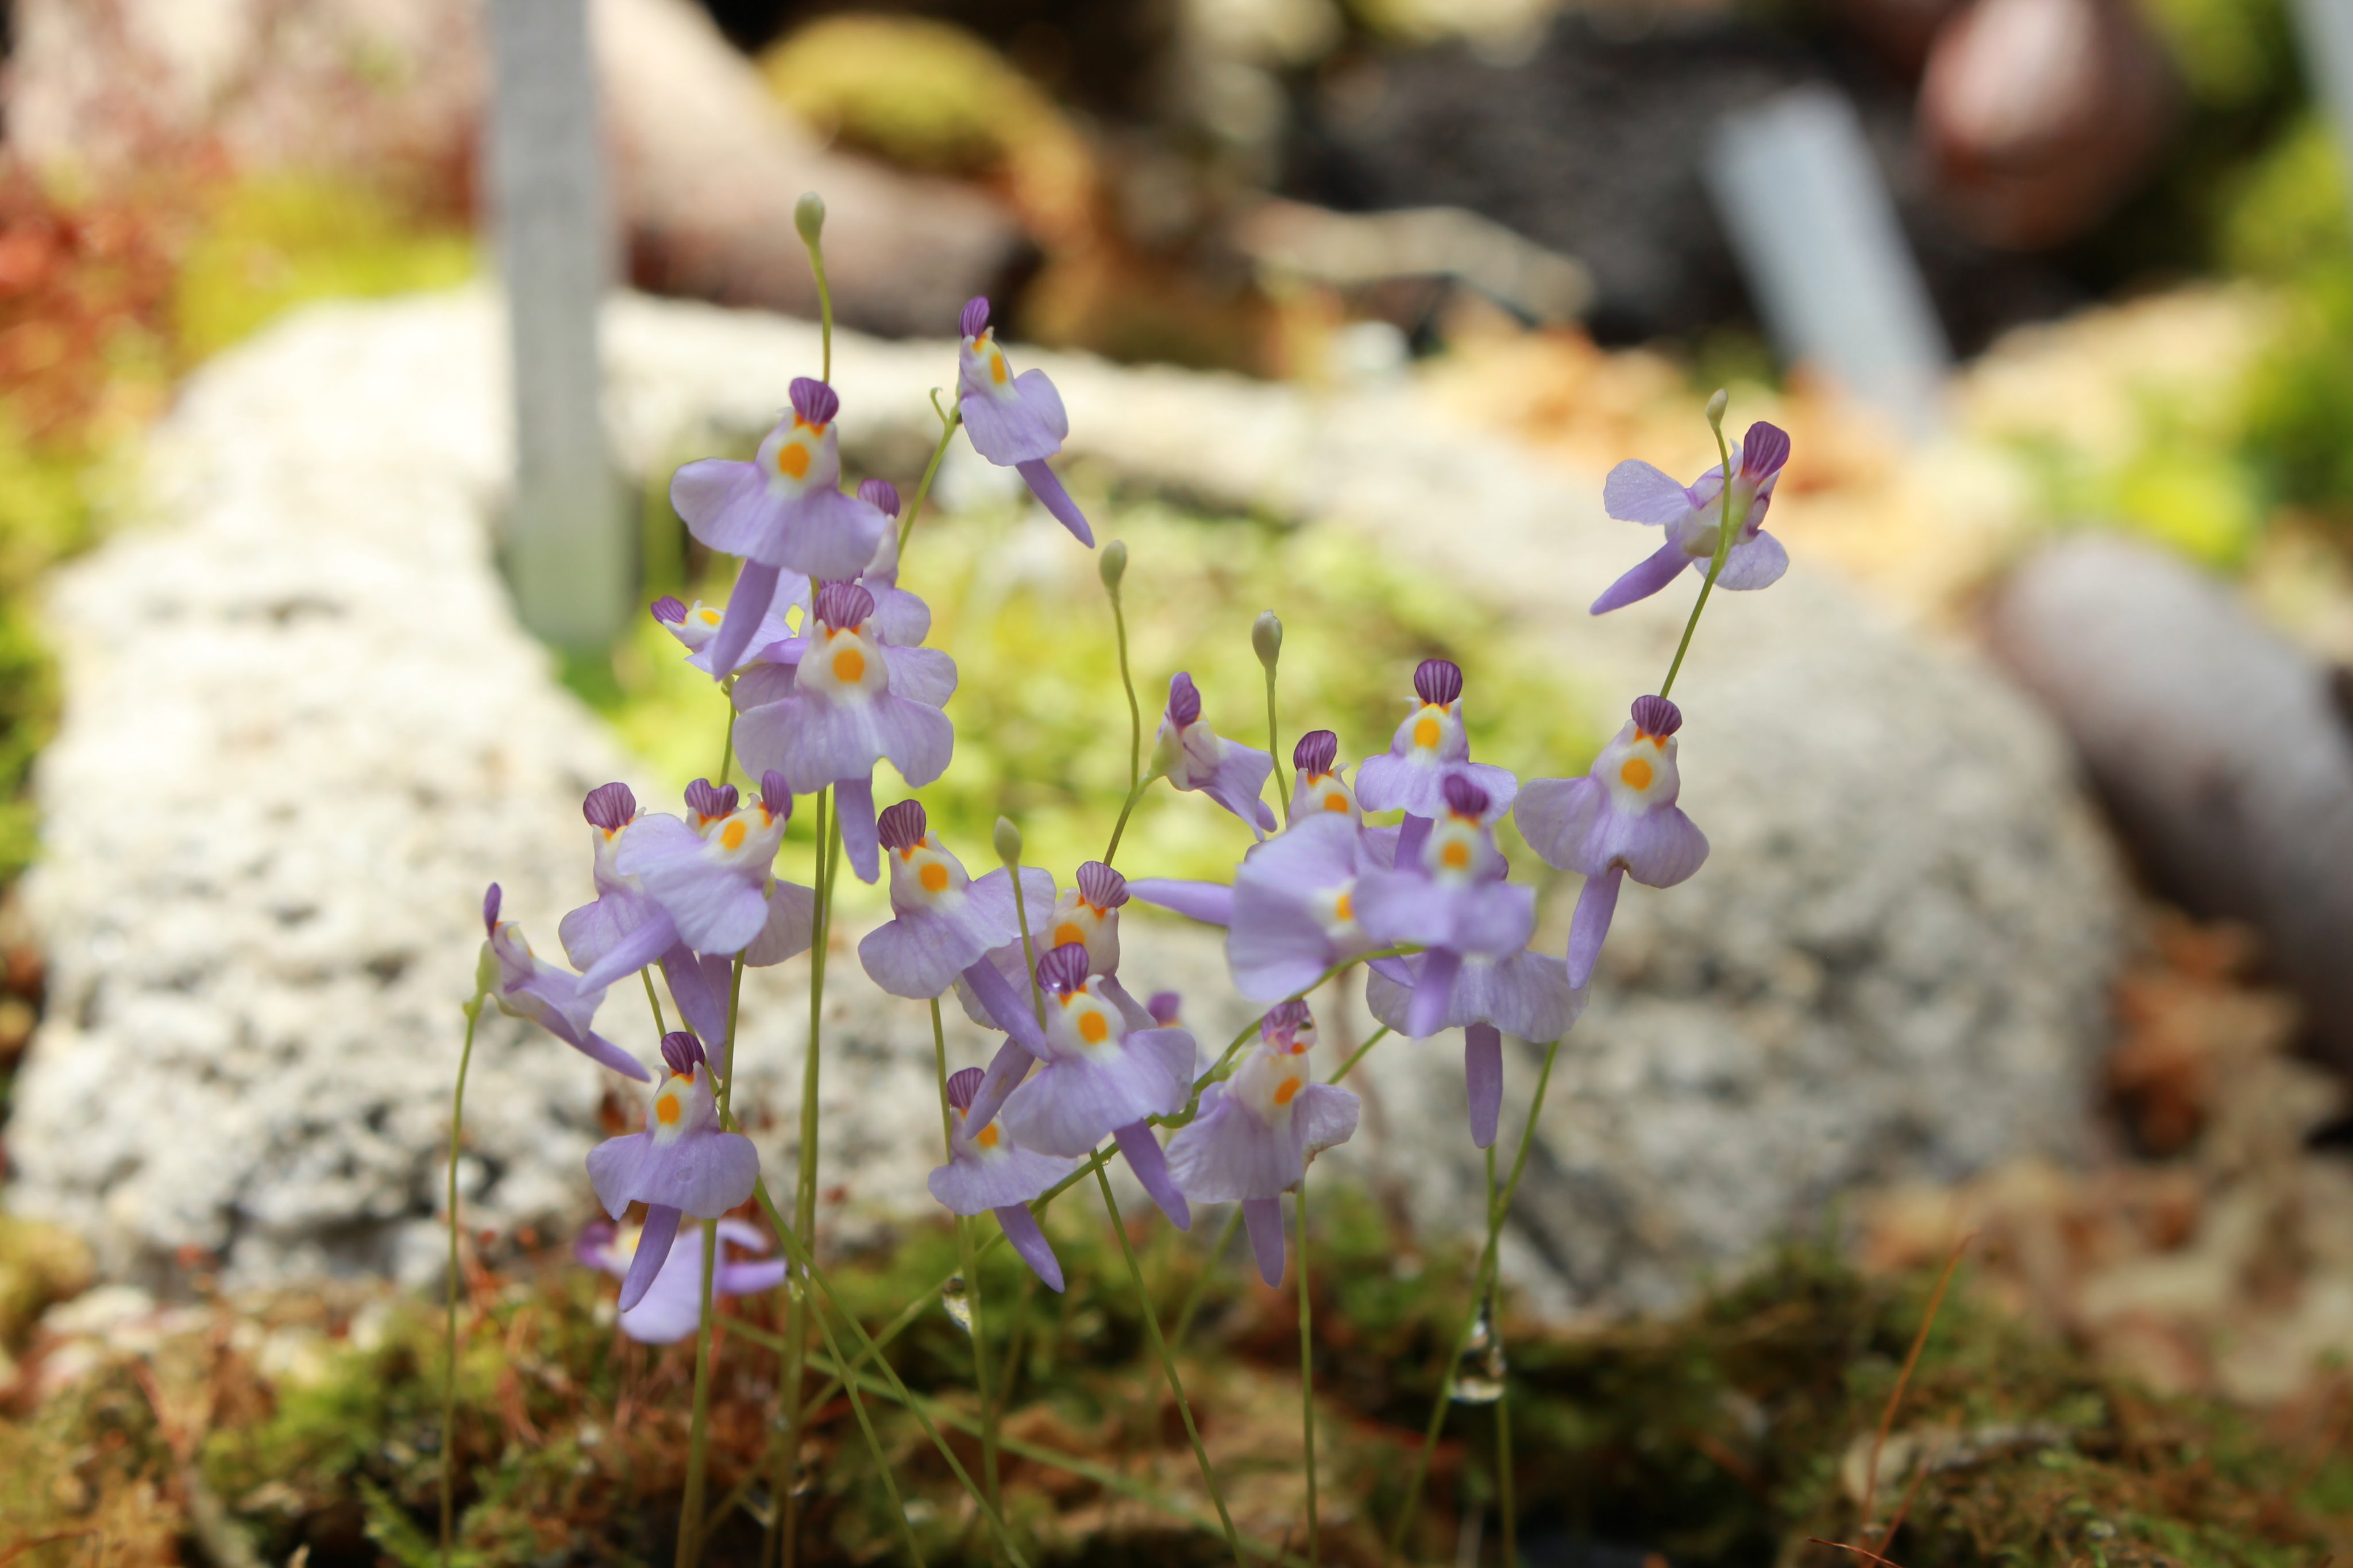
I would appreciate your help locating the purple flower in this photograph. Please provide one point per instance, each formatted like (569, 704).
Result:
(668, 1311)
(1692, 517)
(556, 1000)
(1524, 993)
(696, 626)
(1191, 755)
(1429, 749)
(1449, 898)
(1257, 1131)
(1317, 786)
(1291, 914)
(782, 512)
(1101, 1076)
(1014, 421)
(943, 922)
(706, 878)
(988, 1173)
(681, 1164)
(1619, 820)
(855, 700)
(902, 619)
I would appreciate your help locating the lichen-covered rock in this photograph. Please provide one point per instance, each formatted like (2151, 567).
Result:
(303, 730)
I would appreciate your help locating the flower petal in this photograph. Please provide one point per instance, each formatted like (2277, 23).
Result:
(1638, 492)
(1655, 572)
(1263, 1217)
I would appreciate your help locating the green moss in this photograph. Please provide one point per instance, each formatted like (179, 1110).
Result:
(275, 243)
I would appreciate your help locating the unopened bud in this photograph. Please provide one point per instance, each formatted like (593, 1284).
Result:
(1266, 637)
(1112, 565)
(808, 217)
(1716, 406)
(1008, 841)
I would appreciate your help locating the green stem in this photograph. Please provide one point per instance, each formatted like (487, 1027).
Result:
(970, 1260)
(647, 974)
(1028, 949)
(1484, 1283)
(1119, 829)
(1306, 1372)
(727, 745)
(873, 1443)
(1168, 1364)
(698, 1439)
(1283, 794)
(1506, 1507)
(1135, 713)
(449, 1372)
(788, 1512)
(907, 524)
(1724, 533)
(1009, 1370)
(1200, 1286)
(823, 309)
(1359, 1054)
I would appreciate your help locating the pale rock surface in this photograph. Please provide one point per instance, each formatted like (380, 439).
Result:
(1895, 963)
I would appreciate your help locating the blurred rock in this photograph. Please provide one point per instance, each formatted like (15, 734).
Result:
(2224, 755)
(1896, 961)
(705, 168)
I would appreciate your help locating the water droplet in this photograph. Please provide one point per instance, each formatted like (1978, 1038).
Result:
(1478, 1374)
(957, 1301)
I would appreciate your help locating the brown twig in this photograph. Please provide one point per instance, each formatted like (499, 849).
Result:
(1858, 1550)
(39, 1541)
(1903, 1381)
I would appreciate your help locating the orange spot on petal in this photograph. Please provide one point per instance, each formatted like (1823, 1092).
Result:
(850, 667)
(1426, 733)
(1285, 1090)
(793, 460)
(731, 835)
(1636, 774)
(987, 1136)
(1093, 1028)
(666, 1110)
(1335, 801)
(933, 877)
(1456, 856)
(1068, 933)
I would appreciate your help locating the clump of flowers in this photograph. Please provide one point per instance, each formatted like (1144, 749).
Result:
(822, 680)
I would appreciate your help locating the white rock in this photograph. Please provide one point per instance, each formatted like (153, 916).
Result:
(303, 730)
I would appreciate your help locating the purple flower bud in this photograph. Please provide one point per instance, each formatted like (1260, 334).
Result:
(1100, 886)
(1463, 797)
(609, 806)
(1438, 680)
(1284, 1020)
(814, 401)
(775, 795)
(902, 826)
(963, 1085)
(706, 799)
(1164, 1007)
(880, 494)
(490, 910)
(670, 610)
(681, 1051)
(1763, 451)
(1657, 716)
(1064, 970)
(1317, 751)
(975, 315)
(844, 607)
(1184, 700)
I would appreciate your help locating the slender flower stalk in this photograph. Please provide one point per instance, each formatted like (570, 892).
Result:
(698, 1440)
(1266, 640)
(1481, 1286)
(808, 217)
(873, 1443)
(967, 1256)
(1358, 1054)
(1724, 534)
(827, 845)
(1507, 1510)
(950, 423)
(1168, 1364)
(1112, 569)
(473, 1011)
(1009, 849)
(1307, 1376)
(727, 742)
(1200, 1287)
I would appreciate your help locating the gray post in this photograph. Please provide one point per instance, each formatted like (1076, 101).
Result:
(1816, 233)
(568, 547)
(2325, 28)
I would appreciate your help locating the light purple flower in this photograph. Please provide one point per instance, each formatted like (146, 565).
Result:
(943, 921)
(855, 700)
(1693, 517)
(696, 626)
(1192, 756)
(1619, 820)
(899, 617)
(1257, 1131)
(1318, 786)
(782, 512)
(1014, 421)
(987, 1173)
(1429, 749)
(708, 879)
(1524, 993)
(1449, 899)
(1101, 1076)
(1291, 915)
(683, 1163)
(668, 1311)
(556, 1000)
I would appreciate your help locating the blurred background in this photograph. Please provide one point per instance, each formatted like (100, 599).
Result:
(2032, 792)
